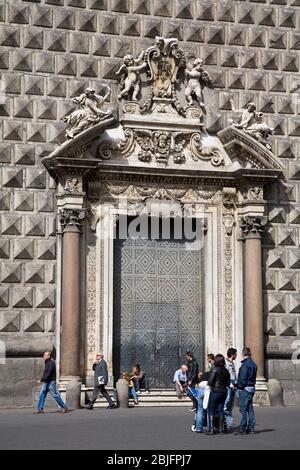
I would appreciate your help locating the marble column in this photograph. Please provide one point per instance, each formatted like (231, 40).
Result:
(70, 311)
(252, 227)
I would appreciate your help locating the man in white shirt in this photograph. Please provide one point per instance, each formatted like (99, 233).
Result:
(180, 381)
(230, 365)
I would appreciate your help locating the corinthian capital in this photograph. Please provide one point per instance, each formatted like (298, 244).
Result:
(253, 225)
(71, 219)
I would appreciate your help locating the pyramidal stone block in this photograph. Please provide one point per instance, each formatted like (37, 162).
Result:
(294, 127)
(286, 148)
(294, 256)
(121, 6)
(45, 297)
(11, 272)
(47, 109)
(295, 303)
(257, 37)
(4, 296)
(36, 132)
(246, 14)
(275, 258)
(46, 249)
(22, 60)
(295, 215)
(23, 248)
(64, 19)
(9, 321)
(286, 236)
(295, 171)
(18, 13)
(23, 201)
(270, 60)
(56, 87)
(4, 249)
(215, 35)
(270, 281)
(271, 326)
(287, 280)
(110, 24)
(13, 130)
(34, 85)
(5, 197)
(266, 16)
(42, 16)
(163, 7)
(9, 36)
(277, 39)
(277, 215)
(35, 273)
(287, 191)
(24, 154)
(287, 18)
(98, 4)
(56, 41)
(86, 21)
(122, 47)
(184, 9)
(142, 7)
(237, 35)
(33, 38)
(5, 153)
(35, 226)
(276, 302)
(205, 10)
(288, 326)
(12, 178)
(5, 107)
(44, 62)
(34, 322)
(194, 32)
(57, 133)
(79, 42)
(11, 224)
(290, 62)
(67, 65)
(131, 26)
(22, 297)
(23, 108)
(101, 45)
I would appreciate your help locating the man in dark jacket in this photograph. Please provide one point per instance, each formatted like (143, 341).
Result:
(100, 380)
(246, 390)
(49, 385)
(192, 377)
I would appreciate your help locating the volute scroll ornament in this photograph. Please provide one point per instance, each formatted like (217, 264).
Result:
(253, 225)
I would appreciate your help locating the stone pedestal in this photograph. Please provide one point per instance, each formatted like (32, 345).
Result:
(122, 393)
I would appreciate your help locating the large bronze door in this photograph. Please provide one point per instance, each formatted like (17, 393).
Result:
(157, 306)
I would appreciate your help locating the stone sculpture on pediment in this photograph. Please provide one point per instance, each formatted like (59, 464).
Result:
(195, 79)
(252, 123)
(130, 75)
(90, 112)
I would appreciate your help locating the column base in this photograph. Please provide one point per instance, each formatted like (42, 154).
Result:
(71, 385)
(261, 396)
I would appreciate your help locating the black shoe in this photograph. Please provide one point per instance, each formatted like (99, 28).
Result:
(111, 407)
(193, 409)
(89, 407)
(252, 431)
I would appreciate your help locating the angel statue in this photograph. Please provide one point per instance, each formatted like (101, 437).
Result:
(195, 79)
(129, 72)
(252, 123)
(90, 112)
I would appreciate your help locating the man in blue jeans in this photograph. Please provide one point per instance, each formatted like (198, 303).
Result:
(49, 385)
(246, 390)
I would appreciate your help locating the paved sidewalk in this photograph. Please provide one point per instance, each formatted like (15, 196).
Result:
(147, 428)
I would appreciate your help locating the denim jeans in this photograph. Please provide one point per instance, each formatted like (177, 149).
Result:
(133, 394)
(200, 412)
(216, 403)
(228, 406)
(141, 383)
(246, 409)
(46, 388)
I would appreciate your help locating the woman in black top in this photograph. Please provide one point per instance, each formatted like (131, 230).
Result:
(219, 380)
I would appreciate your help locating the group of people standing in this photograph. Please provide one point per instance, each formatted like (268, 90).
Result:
(213, 392)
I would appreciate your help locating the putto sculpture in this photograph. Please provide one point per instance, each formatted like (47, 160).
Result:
(195, 79)
(130, 75)
(252, 123)
(90, 112)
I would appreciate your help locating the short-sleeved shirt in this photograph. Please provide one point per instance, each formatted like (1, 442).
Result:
(179, 375)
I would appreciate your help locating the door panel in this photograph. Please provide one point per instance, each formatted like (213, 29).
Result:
(157, 306)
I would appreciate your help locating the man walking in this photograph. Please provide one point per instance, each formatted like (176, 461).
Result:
(246, 390)
(100, 380)
(49, 385)
(230, 365)
(192, 377)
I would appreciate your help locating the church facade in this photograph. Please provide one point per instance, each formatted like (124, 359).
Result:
(159, 213)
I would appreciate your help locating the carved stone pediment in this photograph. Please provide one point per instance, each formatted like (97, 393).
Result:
(160, 128)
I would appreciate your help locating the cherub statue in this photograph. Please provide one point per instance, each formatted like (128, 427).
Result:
(248, 115)
(252, 123)
(130, 69)
(195, 79)
(90, 112)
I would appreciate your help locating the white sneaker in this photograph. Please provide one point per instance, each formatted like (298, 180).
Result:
(147, 391)
(138, 392)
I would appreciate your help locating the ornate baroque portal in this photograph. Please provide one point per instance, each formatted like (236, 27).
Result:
(151, 151)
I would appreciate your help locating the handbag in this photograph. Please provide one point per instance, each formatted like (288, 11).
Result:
(206, 398)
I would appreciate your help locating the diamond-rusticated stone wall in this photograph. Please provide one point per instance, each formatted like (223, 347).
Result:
(50, 51)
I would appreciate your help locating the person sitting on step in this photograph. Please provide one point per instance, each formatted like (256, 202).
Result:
(132, 391)
(139, 379)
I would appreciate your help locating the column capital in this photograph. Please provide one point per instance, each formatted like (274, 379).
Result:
(71, 219)
(253, 225)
